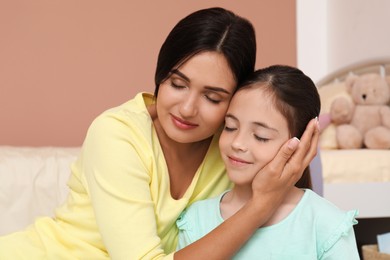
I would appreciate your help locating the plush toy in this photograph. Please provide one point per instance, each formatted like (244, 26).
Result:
(363, 121)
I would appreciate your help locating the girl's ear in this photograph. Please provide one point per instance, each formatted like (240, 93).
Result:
(324, 120)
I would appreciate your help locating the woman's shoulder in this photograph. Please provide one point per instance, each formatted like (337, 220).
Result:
(128, 123)
(137, 105)
(131, 113)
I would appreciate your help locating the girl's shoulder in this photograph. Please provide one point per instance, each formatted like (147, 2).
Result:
(203, 208)
(324, 213)
(331, 223)
(324, 210)
(201, 215)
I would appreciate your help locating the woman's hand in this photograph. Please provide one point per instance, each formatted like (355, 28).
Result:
(274, 180)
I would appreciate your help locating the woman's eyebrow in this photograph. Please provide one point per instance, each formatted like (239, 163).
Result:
(212, 88)
(217, 89)
(180, 74)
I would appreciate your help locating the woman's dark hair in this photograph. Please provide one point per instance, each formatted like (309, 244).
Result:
(212, 29)
(295, 96)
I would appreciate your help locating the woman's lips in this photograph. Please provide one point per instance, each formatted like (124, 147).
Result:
(182, 124)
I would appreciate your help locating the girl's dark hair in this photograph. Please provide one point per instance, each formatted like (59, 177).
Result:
(212, 29)
(295, 96)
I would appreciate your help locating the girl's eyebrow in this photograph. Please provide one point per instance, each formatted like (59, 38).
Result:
(261, 124)
(264, 125)
(228, 115)
(216, 89)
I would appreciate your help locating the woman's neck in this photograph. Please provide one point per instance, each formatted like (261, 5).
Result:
(182, 159)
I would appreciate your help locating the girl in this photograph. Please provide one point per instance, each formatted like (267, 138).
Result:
(143, 162)
(273, 105)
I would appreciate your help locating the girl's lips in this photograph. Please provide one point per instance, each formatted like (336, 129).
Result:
(182, 124)
(236, 160)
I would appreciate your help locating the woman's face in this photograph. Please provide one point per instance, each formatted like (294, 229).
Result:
(254, 131)
(192, 102)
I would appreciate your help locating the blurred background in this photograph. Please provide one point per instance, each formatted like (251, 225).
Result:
(64, 62)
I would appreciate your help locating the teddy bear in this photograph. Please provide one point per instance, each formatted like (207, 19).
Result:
(362, 118)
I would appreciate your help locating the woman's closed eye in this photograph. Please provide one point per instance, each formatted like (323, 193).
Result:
(210, 96)
(177, 86)
(212, 100)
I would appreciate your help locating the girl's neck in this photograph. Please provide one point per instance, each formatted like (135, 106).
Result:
(291, 200)
(235, 199)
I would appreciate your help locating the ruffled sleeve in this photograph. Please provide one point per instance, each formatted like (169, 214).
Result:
(341, 244)
(198, 220)
(186, 235)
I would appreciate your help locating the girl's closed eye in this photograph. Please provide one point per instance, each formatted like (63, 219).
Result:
(261, 139)
(229, 129)
(231, 123)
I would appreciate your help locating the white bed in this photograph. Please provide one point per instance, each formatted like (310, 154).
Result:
(354, 179)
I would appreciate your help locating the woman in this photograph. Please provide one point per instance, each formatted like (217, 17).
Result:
(144, 162)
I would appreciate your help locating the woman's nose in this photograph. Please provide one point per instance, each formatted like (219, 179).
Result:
(189, 106)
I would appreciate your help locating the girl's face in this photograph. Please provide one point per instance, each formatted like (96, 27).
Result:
(254, 131)
(192, 102)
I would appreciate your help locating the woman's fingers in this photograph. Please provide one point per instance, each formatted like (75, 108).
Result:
(307, 148)
(277, 165)
(313, 145)
(303, 155)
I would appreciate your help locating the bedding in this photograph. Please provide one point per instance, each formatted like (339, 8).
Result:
(32, 183)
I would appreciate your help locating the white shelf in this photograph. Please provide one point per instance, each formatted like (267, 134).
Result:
(371, 199)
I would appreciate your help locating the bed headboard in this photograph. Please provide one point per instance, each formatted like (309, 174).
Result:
(379, 65)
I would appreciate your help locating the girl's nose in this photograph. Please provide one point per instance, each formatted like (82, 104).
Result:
(239, 142)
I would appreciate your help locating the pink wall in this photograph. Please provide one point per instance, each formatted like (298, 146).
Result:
(64, 62)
